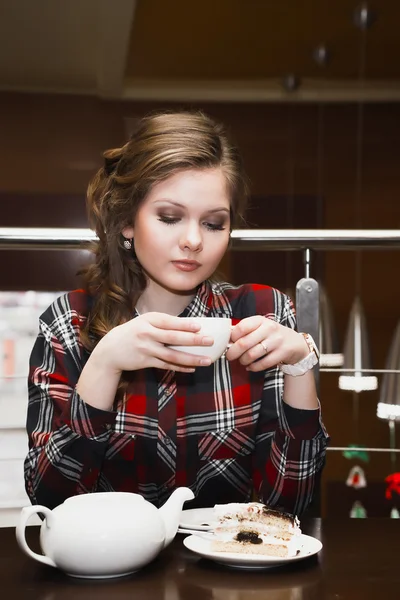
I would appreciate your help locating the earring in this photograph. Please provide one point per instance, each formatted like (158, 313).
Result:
(127, 244)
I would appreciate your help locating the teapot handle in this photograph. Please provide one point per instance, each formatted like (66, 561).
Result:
(26, 513)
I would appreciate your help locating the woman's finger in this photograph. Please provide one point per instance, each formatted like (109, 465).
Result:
(269, 361)
(160, 364)
(182, 338)
(245, 343)
(260, 350)
(246, 326)
(164, 321)
(185, 359)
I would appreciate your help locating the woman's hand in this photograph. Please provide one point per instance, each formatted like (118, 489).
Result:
(143, 342)
(260, 343)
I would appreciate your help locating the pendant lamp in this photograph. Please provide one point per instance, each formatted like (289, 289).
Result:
(389, 398)
(357, 354)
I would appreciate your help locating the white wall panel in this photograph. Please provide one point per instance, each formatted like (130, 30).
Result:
(13, 444)
(19, 313)
(12, 409)
(9, 517)
(12, 488)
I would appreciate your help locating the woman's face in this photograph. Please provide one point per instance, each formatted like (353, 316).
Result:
(181, 230)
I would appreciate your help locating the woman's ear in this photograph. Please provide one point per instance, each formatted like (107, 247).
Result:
(127, 232)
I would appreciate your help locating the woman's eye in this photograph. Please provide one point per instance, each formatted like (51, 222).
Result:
(168, 220)
(215, 226)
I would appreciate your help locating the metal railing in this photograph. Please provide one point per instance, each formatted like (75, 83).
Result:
(21, 238)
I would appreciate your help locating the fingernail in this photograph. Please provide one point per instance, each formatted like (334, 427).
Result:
(207, 340)
(205, 362)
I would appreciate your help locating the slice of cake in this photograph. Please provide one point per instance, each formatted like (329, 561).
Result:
(253, 528)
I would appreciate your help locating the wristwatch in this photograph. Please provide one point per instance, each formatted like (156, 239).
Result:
(307, 363)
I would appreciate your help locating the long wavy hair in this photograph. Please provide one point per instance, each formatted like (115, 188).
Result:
(161, 145)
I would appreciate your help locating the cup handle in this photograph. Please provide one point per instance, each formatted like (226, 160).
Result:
(26, 514)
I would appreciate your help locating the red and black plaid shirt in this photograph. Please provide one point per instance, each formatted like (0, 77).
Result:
(222, 431)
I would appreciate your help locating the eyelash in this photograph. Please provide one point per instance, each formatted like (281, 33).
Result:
(174, 220)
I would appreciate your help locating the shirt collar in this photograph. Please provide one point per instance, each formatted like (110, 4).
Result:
(201, 304)
(209, 301)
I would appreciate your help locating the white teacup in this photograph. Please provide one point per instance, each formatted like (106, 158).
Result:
(218, 328)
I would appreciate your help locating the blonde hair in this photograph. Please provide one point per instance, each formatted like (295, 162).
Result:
(162, 145)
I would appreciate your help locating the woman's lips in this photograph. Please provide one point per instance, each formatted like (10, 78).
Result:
(186, 265)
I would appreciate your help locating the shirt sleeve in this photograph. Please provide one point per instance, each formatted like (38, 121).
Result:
(290, 442)
(67, 437)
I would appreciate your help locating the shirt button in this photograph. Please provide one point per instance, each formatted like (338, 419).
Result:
(108, 426)
(167, 440)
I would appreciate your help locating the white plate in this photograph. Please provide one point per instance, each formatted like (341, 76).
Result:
(198, 519)
(201, 546)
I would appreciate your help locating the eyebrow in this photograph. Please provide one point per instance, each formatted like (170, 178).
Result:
(212, 210)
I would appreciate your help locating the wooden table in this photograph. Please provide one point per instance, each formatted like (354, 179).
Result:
(360, 560)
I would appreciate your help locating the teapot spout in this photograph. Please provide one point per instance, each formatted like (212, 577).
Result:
(171, 511)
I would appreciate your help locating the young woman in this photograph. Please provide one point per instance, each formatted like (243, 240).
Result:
(111, 405)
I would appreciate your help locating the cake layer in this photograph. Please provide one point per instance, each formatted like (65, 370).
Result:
(264, 549)
(233, 527)
(253, 538)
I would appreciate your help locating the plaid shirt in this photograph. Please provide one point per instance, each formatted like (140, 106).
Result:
(222, 431)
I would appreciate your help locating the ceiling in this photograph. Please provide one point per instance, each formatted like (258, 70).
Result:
(226, 50)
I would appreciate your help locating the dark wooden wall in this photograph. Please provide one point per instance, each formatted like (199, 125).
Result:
(302, 161)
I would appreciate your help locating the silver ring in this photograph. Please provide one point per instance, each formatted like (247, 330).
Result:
(264, 346)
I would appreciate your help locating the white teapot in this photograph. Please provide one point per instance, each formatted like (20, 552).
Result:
(104, 534)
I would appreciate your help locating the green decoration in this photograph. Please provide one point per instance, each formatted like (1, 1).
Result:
(357, 454)
(358, 511)
(394, 513)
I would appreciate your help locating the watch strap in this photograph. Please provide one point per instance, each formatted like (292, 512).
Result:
(307, 363)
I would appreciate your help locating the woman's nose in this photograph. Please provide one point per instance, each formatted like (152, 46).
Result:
(192, 239)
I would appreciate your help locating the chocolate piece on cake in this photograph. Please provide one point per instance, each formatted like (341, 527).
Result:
(254, 528)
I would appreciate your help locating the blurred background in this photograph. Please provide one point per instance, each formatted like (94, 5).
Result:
(309, 90)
